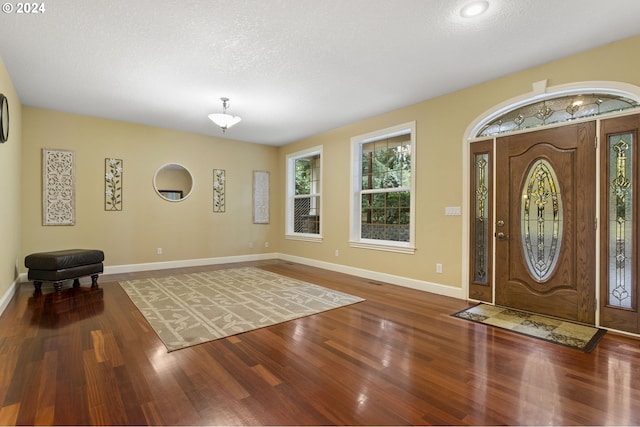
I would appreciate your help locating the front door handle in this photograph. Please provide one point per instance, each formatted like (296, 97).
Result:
(500, 235)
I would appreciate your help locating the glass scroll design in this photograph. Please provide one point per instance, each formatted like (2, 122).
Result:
(541, 220)
(620, 221)
(481, 237)
(564, 108)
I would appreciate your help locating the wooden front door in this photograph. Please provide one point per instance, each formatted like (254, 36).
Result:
(545, 222)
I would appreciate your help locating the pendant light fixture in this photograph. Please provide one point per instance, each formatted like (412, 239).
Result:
(224, 120)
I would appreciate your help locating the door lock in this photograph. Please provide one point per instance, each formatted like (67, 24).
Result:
(500, 235)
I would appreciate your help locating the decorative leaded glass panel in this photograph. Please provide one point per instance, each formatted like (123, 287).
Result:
(481, 236)
(620, 220)
(556, 110)
(541, 219)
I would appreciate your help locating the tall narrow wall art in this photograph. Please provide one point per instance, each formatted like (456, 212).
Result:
(58, 187)
(113, 184)
(218, 190)
(260, 197)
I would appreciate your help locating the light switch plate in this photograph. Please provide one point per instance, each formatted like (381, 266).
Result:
(452, 211)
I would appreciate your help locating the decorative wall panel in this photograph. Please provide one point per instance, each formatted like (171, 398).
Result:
(260, 197)
(58, 187)
(219, 190)
(113, 184)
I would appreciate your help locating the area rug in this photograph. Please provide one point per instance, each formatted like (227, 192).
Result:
(190, 309)
(558, 331)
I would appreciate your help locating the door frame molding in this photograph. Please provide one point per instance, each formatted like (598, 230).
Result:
(540, 91)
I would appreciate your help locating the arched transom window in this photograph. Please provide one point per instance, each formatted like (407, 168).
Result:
(559, 109)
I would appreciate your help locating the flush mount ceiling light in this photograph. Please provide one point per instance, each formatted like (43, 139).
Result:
(224, 120)
(474, 9)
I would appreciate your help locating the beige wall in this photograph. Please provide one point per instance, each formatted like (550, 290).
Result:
(190, 230)
(441, 124)
(184, 230)
(10, 164)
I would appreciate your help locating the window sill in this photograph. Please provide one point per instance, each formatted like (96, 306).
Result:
(387, 246)
(304, 237)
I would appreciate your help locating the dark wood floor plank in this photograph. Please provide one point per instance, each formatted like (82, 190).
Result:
(151, 414)
(398, 358)
(46, 398)
(9, 414)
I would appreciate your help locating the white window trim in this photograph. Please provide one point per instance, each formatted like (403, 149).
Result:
(291, 191)
(355, 239)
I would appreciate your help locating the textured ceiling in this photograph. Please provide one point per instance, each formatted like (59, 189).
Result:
(292, 68)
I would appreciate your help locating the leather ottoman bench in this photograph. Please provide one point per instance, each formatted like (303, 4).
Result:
(60, 266)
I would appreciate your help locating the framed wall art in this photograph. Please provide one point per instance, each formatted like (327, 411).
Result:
(113, 169)
(58, 187)
(260, 197)
(219, 190)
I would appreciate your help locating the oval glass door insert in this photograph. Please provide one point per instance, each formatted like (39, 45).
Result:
(541, 220)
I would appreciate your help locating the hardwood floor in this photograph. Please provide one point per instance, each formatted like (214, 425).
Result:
(397, 358)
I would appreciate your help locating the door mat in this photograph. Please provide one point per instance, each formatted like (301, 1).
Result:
(550, 329)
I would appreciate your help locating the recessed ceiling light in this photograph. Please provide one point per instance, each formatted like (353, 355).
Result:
(474, 9)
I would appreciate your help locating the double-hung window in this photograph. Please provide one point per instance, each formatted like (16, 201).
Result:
(383, 182)
(304, 194)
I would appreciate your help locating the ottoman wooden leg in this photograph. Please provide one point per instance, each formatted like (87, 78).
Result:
(57, 286)
(37, 285)
(94, 280)
(76, 283)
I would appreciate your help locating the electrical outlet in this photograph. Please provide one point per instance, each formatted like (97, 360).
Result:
(438, 268)
(266, 244)
(250, 245)
(159, 251)
(337, 253)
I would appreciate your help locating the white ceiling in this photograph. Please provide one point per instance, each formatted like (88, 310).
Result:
(292, 68)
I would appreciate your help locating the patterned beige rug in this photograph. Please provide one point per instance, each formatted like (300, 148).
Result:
(190, 309)
(558, 331)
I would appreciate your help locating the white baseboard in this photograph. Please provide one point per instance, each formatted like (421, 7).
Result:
(421, 285)
(8, 295)
(131, 268)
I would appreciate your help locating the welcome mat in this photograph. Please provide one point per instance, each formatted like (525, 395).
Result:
(558, 331)
(190, 309)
